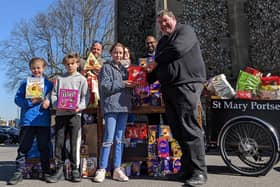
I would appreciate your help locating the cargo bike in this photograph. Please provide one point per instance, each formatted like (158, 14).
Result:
(246, 132)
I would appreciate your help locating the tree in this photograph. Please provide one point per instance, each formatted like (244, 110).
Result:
(68, 26)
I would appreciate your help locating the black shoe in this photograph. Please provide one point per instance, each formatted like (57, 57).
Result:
(16, 178)
(46, 177)
(181, 177)
(59, 175)
(76, 177)
(196, 179)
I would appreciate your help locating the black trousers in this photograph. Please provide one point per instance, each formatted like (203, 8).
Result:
(68, 125)
(181, 103)
(27, 135)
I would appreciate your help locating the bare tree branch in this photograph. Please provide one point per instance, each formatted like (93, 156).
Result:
(68, 26)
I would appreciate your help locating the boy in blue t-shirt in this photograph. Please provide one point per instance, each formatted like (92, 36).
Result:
(35, 121)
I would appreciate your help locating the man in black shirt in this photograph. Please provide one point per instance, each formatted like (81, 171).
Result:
(181, 72)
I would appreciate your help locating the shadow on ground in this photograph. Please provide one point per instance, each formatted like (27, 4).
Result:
(6, 170)
(277, 169)
(216, 170)
(220, 170)
(9, 145)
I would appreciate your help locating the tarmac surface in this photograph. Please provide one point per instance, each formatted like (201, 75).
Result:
(219, 175)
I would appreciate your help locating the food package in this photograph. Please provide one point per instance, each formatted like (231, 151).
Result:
(94, 92)
(271, 80)
(142, 130)
(88, 166)
(176, 164)
(92, 63)
(138, 75)
(164, 131)
(253, 71)
(34, 88)
(91, 166)
(248, 82)
(221, 87)
(152, 134)
(131, 131)
(165, 166)
(244, 94)
(176, 149)
(270, 92)
(67, 99)
(163, 147)
(143, 62)
(84, 172)
(152, 150)
(135, 168)
(153, 167)
(147, 62)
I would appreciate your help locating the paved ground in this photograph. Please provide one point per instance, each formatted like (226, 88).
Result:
(219, 176)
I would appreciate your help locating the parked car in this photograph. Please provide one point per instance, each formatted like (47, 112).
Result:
(9, 134)
(4, 137)
(14, 134)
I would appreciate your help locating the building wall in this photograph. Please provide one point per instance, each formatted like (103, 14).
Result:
(135, 20)
(233, 33)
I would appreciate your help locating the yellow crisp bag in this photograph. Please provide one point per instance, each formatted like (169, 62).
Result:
(91, 63)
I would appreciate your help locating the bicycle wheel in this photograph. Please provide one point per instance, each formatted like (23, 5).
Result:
(248, 147)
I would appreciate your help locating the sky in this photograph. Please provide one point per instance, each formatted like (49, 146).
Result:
(11, 13)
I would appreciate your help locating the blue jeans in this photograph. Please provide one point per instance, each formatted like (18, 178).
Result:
(114, 132)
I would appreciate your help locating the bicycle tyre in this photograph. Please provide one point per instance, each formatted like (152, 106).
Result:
(248, 147)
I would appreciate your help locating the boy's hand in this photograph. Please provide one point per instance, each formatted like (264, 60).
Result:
(77, 110)
(45, 104)
(36, 100)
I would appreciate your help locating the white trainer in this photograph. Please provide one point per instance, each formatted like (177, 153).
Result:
(100, 175)
(119, 175)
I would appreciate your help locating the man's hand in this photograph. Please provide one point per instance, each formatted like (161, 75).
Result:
(129, 84)
(151, 66)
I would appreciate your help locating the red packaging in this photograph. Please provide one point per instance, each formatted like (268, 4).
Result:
(240, 94)
(93, 88)
(138, 75)
(131, 131)
(142, 131)
(253, 71)
(271, 80)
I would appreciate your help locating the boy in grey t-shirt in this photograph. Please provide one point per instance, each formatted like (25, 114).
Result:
(69, 120)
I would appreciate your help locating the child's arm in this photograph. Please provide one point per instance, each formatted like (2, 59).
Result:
(54, 95)
(84, 96)
(108, 85)
(20, 97)
(46, 100)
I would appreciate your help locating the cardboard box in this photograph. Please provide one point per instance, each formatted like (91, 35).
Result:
(90, 139)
